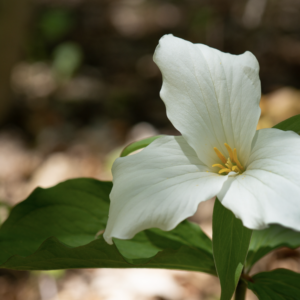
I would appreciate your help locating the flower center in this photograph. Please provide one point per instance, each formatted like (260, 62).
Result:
(231, 164)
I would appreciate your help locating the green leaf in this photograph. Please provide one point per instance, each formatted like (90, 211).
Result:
(230, 245)
(292, 123)
(58, 228)
(279, 284)
(238, 273)
(138, 145)
(67, 58)
(185, 234)
(73, 211)
(54, 255)
(267, 240)
(55, 23)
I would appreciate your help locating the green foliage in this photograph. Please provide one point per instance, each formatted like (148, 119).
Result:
(55, 23)
(202, 18)
(60, 228)
(52, 254)
(67, 57)
(186, 233)
(292, 123)
(276, 285)
(267, 240)
(230, 245)
(51, 28)
(73, 212)
(138, 145)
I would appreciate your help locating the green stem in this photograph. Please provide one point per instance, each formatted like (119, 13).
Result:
(240, 292)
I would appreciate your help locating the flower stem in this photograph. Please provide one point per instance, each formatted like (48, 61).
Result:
(240, 292)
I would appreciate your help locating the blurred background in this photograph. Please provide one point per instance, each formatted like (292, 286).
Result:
(77, 83)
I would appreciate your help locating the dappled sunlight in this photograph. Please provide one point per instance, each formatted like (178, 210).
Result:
(78, 84)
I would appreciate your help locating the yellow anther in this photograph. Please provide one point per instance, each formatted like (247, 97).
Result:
(235, 158)
(220, 155)
(229, 151)
(232, 164)
(218, 165)
(224, 171)
(236, 169)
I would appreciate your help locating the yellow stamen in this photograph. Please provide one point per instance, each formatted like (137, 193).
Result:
(236, 169)
(235, 158)
(231, 164)
(220, 155)
(229, 151)
(218, 165)
(224, 171)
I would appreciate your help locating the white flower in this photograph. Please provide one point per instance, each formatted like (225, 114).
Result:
(212, 98)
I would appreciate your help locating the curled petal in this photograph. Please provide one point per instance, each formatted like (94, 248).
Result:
(269, 191)
(158, 187)
(211, 97)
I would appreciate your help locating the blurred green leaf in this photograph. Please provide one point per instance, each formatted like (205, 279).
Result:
(279, 284)
(57, 274)
(292, 123)
(138, 145)
(67, 58)
(57, 228)
(230, 246)
(267, 240)
(202, 17)
(55, 23)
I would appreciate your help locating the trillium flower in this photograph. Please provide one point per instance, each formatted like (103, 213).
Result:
(212, 99)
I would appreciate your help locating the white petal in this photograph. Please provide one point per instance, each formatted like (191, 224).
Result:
(269, 191)
(211, 97)
(158, 187)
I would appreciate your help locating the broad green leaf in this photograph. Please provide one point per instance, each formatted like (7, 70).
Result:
(267, 240)
(73, 211)
(138, 145)
(186, 233)
(53, 254)
(292, 123)
(60, 228)
(279, 284)
(230, 245)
